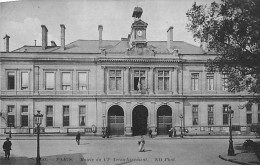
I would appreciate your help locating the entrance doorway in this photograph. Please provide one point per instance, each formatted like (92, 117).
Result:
(164, 120)
(139, 118)
(116, 120)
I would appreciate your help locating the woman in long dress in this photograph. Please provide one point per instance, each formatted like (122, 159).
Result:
(141, 144)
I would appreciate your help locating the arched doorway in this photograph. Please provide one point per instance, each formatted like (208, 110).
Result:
(164, 120)
(116, 120)
(139, 118)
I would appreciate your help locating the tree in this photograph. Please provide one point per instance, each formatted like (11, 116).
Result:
(231, 29)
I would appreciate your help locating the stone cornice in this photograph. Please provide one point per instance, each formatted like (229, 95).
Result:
(145, 59)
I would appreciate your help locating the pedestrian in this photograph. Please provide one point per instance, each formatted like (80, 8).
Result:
(78, 138)
(150, 133)
(7, 147)
(170, 132)
(141, 143)
(107, 132)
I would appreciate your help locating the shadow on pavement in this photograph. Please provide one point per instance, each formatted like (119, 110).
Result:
(16, 161)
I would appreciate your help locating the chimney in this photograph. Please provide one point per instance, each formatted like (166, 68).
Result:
(53, 44)
(62, 26)
(100, 29)
(6, 42)
(204, 45)
(44, 37)
(169, 38)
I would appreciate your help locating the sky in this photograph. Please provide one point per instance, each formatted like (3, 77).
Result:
(22, 20)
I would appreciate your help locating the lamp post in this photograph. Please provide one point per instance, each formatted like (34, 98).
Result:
(230, 113)
(181, 117)
(103, 128)
(38, 121)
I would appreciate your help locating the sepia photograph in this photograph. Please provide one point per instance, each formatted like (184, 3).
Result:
(130, 82)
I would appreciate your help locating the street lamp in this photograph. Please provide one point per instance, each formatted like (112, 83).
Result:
(181, 117)
(103, 128)
(38, 121)
(230, 113)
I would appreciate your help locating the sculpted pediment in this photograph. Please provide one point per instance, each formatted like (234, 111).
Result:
(140, 51)
(140, 23)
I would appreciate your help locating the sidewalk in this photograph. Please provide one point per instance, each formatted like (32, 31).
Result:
(160, 137)
(242, 158)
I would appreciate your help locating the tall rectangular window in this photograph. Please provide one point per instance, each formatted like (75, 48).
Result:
(225, 115)
(210, 81)
(66, 81)
(49, 116)
(210, 114)
(82, 115)
(249, 107)
(224, 82)
(249, 118)
(66, 117)
(10, 117)
(195, 114)
(114, 80)
(195, 81)
(10, 80)
(24, 116)
(163, 80)
(258, 107)
(258, 118)
(49, 81)
(82, 81)
(139, 80)
(24, 80)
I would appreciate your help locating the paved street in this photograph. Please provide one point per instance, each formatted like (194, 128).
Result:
(163, 151)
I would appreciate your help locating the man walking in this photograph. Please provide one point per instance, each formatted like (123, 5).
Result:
(78, 138)
(7, 147)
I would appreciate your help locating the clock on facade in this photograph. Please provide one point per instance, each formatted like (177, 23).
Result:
(139, 33)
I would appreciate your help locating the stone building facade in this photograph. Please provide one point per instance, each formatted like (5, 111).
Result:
(129, 86)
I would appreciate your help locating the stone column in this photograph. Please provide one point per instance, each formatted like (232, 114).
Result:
(175, 81)
(151, 81)
(128, 125)
(153, 118)
(126, 81)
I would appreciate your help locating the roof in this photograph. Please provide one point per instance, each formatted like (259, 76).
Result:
(113, 46)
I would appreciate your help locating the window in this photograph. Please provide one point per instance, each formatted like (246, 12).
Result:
(11, 80)
(248, 107)
(10, 121)
(49, 116)
(10, 117)
(163, 80)
(82, 115)
(210, 115)
(259, 107)
(24, 121)
(24, 109)
(82, 81)
(139, 80)
(210, 81)
(24, 80)
(224, 82)
(66, 117)
(195, 114)
(225, 115)
(249, 118)
(195, 81)
(258, 118)
(49, 81)
(24, 117)
(66, 81)
(114, 80)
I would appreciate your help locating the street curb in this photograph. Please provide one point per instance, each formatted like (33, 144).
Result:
(234, 161)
